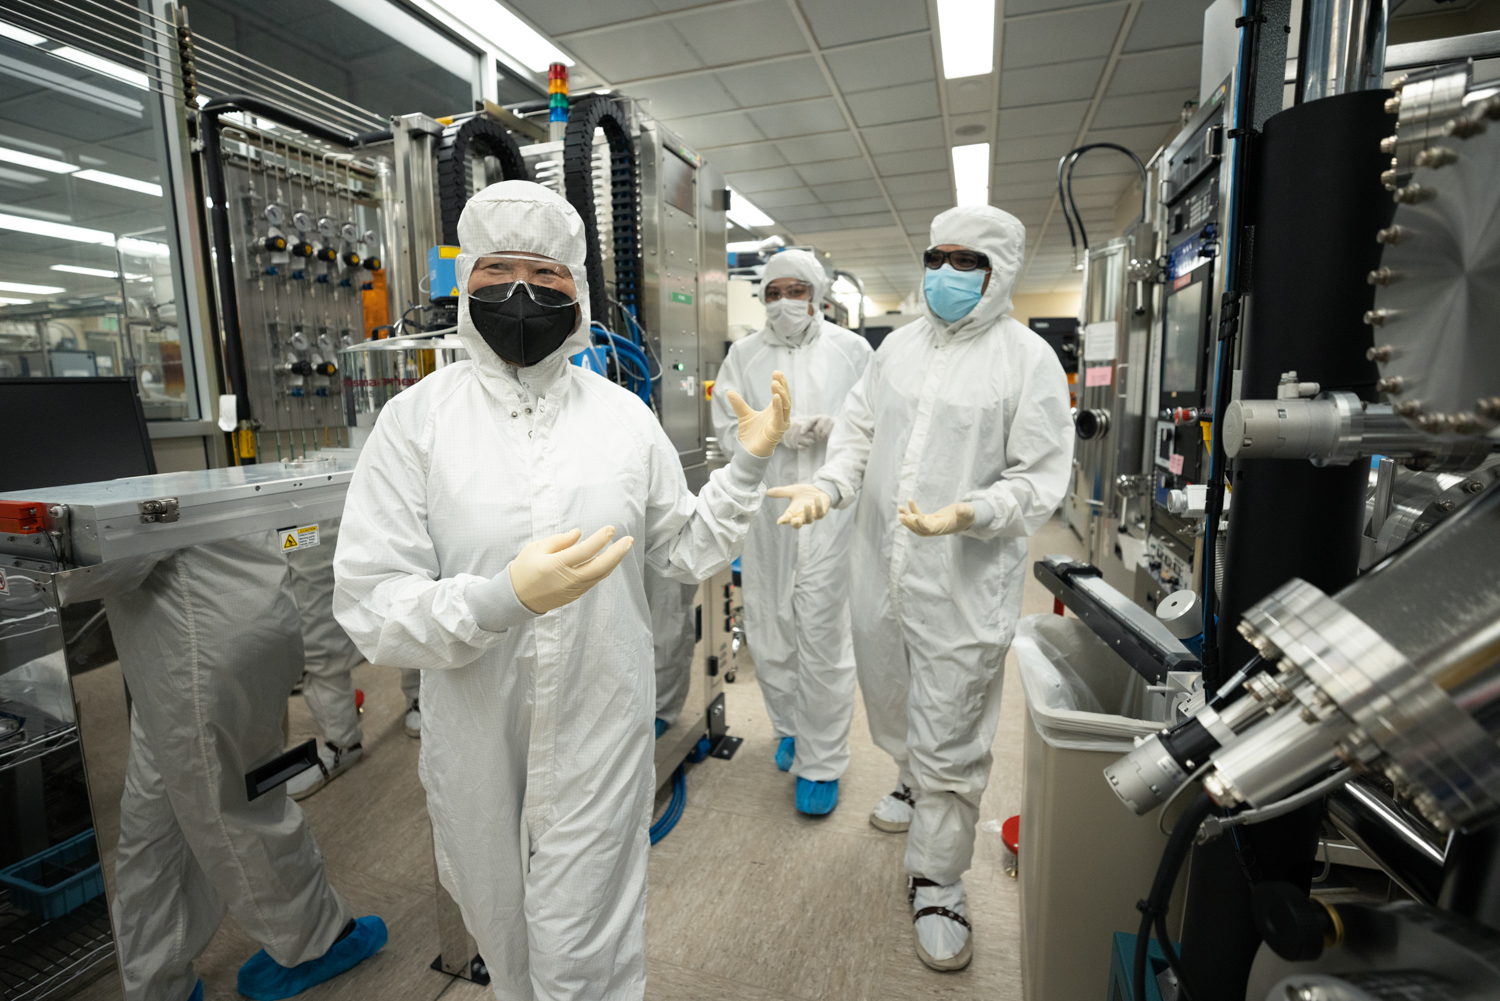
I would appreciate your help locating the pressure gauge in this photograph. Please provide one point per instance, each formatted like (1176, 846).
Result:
(349, 232)
(275, 214)
(299, 341)
(368, 238)
(302, 221)
(327, 227)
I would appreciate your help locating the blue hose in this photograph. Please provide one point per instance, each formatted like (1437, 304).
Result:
(673, 814)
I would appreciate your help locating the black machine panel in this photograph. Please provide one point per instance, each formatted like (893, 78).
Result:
(71, 430)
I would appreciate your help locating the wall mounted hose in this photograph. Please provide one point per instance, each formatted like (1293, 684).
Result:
(218, 216)
(1065, 190)
(479, 136)
(589, 113)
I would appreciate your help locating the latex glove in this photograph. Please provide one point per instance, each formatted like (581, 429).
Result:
(944, 521)
(554, 571)
(760, 430)
(805, 432)
(808, 504)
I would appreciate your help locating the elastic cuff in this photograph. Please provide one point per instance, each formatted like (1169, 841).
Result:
(984, 512)
(494, 604)
(746, 471)
(834, 496)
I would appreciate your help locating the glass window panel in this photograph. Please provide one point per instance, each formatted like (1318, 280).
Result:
(1181, 352)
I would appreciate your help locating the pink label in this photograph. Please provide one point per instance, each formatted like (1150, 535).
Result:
(1175, 464)
(1099, 375)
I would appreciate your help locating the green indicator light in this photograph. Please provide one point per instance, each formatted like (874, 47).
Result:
(678, 366)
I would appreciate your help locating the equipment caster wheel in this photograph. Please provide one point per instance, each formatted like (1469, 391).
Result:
(729, 677)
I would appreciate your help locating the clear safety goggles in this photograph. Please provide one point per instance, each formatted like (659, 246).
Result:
(793, 290)
(529, 271)
(542, 295)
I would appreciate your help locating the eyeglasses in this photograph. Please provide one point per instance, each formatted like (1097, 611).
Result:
(540, 294)
(797, 290)
(962, 260)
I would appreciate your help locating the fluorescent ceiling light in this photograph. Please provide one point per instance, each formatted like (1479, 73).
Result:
(971, 174)
(14, 302)
(56, 230)
(128, 183)
(742, 212)
(141, 248)
(33, 289)
(842, 284)
(20, 34)
(102, 66)
(74, 269)
(507, 33)
(35, 162)
(967, 30)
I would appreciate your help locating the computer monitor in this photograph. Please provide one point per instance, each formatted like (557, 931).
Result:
(54, 432)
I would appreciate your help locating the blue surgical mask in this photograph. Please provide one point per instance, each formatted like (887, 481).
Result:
(953, 294)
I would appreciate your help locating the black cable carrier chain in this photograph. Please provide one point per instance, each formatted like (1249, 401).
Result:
(598, 111)
(480, 136)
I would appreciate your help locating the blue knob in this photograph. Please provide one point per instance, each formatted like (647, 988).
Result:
(321, 391)
(322, 279)
(299, 274)
(272, 271)
(297, 391)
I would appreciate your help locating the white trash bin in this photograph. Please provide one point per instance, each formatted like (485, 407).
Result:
(1085, 857)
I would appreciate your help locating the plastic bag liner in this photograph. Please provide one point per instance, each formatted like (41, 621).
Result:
(1082, 696)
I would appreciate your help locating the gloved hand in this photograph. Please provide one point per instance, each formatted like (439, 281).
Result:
(808, 504)
(554, 571)
(944, 521)
(805, 432)
(760, 430)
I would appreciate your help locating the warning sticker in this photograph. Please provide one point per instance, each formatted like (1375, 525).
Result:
(302, 537)
(3, 588)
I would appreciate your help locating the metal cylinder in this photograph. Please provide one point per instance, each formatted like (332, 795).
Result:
(1345, 47)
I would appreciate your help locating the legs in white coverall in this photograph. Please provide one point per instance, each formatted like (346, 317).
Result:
(209, 648)
(329, 653)
(674, 633)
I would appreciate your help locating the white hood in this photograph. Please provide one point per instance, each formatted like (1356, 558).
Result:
(1000, 237)
(804, 267)
(523, 217)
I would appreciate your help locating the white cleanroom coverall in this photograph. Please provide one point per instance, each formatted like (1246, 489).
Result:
(209, 646)
(796, 584)
(537, 732)
(973, 411)
(329, 654)
(674, 633)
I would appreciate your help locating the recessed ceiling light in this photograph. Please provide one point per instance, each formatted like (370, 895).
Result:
(744, 213)
(33, 289)
(56, 230)
(117, 181)
(971, 174)
(14, 302)
(967, 31)
(35, 162)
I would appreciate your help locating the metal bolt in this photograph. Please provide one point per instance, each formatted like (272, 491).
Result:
(1388, 144)
(1378, 317)
(1381, 276)
(1390, 180)
(1407, 408)
(1433, 423)
(1472, 486)
(1466, 423)
(1489, 407)
(1490, 108)
(1436, 156)
(1463, 128)
(1413, 194)
(1445, 504)
(1391, 384)
(1393, 106)
(1381, 354)
(1392, 235)
(1399, 82)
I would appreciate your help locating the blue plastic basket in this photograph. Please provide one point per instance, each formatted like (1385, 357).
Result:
(57, 881)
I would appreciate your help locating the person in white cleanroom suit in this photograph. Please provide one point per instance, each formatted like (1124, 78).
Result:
(209, 646)
(797, 583)
(459, 554)
(963, 413)
(674, 633)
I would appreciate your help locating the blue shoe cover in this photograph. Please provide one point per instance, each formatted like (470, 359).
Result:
(817, 798)
(197, 994)
(785, 752)
(661, 727)
(264, 979)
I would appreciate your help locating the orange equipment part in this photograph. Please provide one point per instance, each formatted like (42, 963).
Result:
(377, 305)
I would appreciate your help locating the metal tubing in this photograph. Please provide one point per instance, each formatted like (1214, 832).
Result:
(1406, 850)
(1345, 49)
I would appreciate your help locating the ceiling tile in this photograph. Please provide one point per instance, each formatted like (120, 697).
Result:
(785, 81)
(934, 180)
(751, 156)
(770, 179)
(723, 35)
(1061, 38)
(556, 18)
(973, 93)
(967, 129)
(923, 200)
(1048, 84)
(1164, 23)
(1005, 191)
(1037, 148)
(882, 64)
(839, 22)
(1143, 139)
(1162, 107)
(865, 220)
(772, 200)
(1029, 172)
(911, 162)
(812, 149)
(847, 189)
(1164, 70)
(831, 171)
(646, 51)
(903, 136)
(1042, 120)
(1015, 8)
(671, 99)
(894, 104)
(716, 130)
(856, 206)
(802, 213)
(800, 119)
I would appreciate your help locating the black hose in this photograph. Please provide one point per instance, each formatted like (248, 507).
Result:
(218, 216)
(1065, 188)
(599, 111)
(483, 137)
(1154, 908)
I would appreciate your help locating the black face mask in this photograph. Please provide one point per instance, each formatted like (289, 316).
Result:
(521, 322)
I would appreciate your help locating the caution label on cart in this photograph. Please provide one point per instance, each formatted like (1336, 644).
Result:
(301, 537)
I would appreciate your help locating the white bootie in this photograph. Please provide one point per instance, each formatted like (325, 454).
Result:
(944, 939)
(894, 812)
(413, 721)
(332, 762)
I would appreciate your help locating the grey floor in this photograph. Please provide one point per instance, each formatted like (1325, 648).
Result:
(748, 898)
